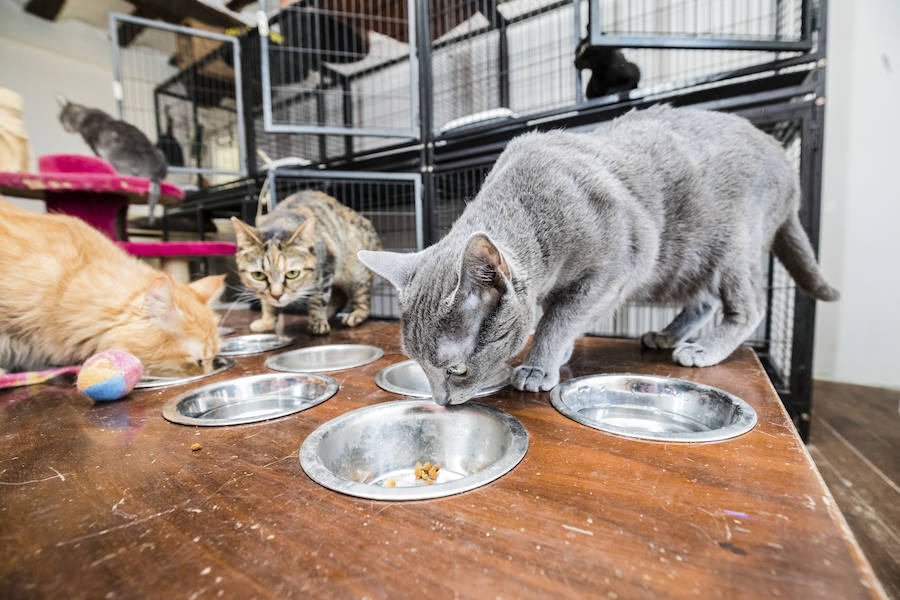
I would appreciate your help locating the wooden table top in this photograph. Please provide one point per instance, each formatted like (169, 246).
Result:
(109, 501)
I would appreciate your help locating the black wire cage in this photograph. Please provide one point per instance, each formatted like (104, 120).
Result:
(432, 92)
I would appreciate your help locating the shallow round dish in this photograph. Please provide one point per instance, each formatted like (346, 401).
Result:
(359, 452)
(653, 408)
(220, 363)
(256, 343)
(223, 331)
(408, 379)
(316, 359)
(250, 399)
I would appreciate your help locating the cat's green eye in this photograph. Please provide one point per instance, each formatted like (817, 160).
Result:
(258, 275)
(293, 274)
(459, 369)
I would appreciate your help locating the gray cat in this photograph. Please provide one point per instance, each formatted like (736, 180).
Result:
(667, 204)
(120, 144)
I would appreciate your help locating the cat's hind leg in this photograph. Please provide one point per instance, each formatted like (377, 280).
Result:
(267, 321)
(743, 301)
(684, 325)
(362, 303)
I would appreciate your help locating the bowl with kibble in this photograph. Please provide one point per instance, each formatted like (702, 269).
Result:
(413, 450)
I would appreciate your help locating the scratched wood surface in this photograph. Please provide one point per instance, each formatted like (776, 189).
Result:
(109, 501)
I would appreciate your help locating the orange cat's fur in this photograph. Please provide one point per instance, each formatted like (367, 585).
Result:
(67, 292)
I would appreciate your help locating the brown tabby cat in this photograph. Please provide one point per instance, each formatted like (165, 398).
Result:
(306, 249)
(67, 292)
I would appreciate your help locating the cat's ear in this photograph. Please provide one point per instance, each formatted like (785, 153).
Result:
(159, 302)
(246, 235)
(208, 288)
(483, 270)
(305, 234)
(396, 267)
(62, 100)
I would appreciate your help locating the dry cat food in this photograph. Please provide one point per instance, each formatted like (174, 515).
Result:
(428, 472)
(195, 446)
(390, 483)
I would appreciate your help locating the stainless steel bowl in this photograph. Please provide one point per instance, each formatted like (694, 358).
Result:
(253, 344)
(333, 357)
(220, 363)
(250, 399)
(653, 408)
(223, 331)
(408, 379)
(359, 452)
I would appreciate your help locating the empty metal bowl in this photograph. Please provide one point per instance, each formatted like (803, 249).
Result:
(223, 331)
(408, 378)
(256, 343)
(333, 357)
(362, 452)
(653, 408)
(250, 399)
(220, 364)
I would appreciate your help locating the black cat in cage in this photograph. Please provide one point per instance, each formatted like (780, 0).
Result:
(611, 72)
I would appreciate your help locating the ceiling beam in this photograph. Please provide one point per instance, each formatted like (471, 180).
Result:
(45, 9)
(175, 13)
(237, 5)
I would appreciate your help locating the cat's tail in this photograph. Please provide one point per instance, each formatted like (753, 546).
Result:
(153, 197)
(793, 249)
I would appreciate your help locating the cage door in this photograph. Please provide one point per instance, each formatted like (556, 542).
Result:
(182, 87)
(346, 67)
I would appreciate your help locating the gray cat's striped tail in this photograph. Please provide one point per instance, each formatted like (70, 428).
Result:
(793, 249)
(153, 197)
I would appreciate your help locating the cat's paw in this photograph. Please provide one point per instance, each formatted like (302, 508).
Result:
(656, 340)
(355, 318)
(534, 379)
(694, 355)
(318, 327)
(260, 325)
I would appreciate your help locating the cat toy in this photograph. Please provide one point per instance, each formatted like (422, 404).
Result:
(108, 375)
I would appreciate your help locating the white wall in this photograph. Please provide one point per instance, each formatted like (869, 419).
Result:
(39, 59)
(858, 338)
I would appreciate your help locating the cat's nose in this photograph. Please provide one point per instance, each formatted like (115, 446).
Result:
(276, 296)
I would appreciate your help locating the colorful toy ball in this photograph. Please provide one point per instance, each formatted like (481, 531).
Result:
(109, 375)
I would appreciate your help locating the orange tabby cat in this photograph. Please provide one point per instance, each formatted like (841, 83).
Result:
(67, 292)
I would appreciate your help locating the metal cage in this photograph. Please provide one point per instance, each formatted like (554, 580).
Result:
(183, 88)
(521, 54)
(339, 67)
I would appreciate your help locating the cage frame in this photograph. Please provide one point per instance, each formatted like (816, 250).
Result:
(118, 93)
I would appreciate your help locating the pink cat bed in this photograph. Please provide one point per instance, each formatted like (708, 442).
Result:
(177, 248)
(86, 187)
(89, 188)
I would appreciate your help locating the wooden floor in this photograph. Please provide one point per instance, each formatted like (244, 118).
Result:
(855, 441)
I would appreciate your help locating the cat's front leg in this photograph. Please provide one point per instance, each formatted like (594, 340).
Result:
(317, 323)
(568, 315)
(267, 321)
(362, 302)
